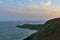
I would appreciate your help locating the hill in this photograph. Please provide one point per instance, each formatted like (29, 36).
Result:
(49, 31)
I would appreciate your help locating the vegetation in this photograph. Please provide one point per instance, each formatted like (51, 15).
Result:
(31, 26)
(51, 31)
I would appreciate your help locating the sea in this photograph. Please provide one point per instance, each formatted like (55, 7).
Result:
(9, 31)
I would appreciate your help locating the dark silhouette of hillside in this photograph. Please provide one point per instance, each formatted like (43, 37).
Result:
(31, 26)
(50, 31)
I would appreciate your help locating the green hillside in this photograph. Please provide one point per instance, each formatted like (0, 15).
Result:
(49, 31)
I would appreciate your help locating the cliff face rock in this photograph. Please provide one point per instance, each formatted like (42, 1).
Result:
(51, 31)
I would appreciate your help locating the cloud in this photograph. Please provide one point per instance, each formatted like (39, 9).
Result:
(32, 11)
(33, 14)
(46, 4)
(33, 6)
(18, 4)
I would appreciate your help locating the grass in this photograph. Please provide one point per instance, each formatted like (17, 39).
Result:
(51, 31)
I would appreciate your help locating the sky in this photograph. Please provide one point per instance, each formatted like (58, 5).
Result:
(29, 10)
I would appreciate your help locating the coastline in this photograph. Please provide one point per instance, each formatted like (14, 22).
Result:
(31, 26)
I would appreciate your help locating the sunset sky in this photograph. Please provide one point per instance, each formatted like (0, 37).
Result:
(29, 10)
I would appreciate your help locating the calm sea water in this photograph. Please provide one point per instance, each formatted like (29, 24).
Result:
(9, 31)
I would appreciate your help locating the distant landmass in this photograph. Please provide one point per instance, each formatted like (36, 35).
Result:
(30, 26)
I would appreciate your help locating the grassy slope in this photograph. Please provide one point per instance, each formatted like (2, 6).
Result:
(51, 31)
